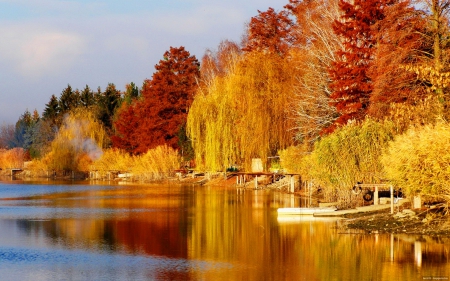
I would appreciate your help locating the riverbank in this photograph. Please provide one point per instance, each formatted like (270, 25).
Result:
(427, 221)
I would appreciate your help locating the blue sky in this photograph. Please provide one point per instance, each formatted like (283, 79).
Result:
(48, 44)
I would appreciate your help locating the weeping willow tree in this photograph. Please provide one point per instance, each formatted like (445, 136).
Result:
(79, 142)
(243, 114)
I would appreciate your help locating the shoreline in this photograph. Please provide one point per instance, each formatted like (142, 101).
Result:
(425, 221)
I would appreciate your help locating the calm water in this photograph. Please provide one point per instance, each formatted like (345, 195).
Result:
(107, 231)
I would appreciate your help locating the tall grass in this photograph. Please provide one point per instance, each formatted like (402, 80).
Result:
(158, 163)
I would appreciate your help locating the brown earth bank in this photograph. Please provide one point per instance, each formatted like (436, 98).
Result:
(430, 221)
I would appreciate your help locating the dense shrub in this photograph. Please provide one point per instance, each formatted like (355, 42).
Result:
(12, 158)
(419, 161)
(349, 155)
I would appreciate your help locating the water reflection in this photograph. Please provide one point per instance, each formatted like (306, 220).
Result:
(193, 233)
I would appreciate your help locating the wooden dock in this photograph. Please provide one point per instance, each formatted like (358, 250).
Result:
(243, 178)
(14, 171)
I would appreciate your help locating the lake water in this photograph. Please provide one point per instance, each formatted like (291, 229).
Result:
(108, 231)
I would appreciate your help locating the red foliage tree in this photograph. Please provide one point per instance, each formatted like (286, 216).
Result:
(126, 126)
(157, 117)
(351, 83)
(269, 31)
(401, 42)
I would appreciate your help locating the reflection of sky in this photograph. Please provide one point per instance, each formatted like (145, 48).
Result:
(18, 263)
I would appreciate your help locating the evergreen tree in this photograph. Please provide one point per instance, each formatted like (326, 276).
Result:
(107, 102)
(68, 100)
(87, 97)
(52, 109)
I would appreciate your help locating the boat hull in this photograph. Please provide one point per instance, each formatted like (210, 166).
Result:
(304, 211)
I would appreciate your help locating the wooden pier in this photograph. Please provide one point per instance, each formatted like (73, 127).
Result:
(14, 171)
(242, 178)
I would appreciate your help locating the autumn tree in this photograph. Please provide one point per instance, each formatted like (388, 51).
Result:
(436, 72)
(269, 31)
(313, 53)
(218, 62)
(78, 142)
(126, 126)
(400, 42)
(163, 107)
(244, 114)
(351, 84)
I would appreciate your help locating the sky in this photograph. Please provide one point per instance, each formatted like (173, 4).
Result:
(48, 44)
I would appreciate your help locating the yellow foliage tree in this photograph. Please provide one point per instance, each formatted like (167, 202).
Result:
(243, 114)
(79, 142)
(418, 161)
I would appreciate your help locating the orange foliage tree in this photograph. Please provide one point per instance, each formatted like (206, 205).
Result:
(351, 83)
(400, 43)
(163, 108)
(269, 31)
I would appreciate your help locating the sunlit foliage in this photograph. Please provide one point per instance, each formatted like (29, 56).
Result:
(418, 161)
(292, 159)
(351, 154)
(156, 164)
(113, 160)
(316, 46)
(12, 158)
(351, 83)
(269, 31)
(156, 118)
(243, 115)
(79, 141)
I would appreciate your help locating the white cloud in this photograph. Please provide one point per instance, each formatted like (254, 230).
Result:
(36, 51)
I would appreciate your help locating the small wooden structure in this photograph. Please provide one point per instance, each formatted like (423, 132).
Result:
(243, 177)
(376, 187)
(14, 171)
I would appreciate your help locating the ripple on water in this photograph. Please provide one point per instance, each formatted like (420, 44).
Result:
(57, 264)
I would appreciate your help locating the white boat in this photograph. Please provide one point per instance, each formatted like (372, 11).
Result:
(305, 211)
(305, 218)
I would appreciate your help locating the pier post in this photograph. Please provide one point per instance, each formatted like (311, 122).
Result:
(391, 189)
(256, 182)
(292, 184)
(375, 196)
